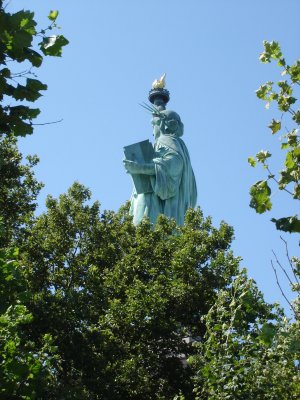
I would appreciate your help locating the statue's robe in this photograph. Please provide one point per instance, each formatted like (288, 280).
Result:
(174, 185)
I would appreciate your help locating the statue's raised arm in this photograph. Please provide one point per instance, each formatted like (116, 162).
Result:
(172, 186)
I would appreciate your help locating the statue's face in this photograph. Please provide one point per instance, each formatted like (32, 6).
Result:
(156, 123)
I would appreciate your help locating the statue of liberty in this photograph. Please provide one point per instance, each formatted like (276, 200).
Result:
(172, 186)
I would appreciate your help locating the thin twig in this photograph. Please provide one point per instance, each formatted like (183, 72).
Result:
(278, 284)
(43, 31)
(49, 123)
(282, 268)
(7, 4)
(274, 179)
(22, 73)
(288, 257)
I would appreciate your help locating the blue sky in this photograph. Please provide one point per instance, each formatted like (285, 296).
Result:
(209, 51)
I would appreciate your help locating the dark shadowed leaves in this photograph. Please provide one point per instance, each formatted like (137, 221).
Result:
(288, 224)
(52, 45)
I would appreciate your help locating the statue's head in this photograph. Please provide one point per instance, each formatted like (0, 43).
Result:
(167, 122)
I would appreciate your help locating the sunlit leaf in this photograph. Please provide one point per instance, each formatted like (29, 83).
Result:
(275, 126)
(53, 15)
(260, 197)
(263, 155)
(251, 161)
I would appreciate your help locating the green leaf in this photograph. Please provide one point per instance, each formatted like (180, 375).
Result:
(34, 57)
(285, 101)
(22, 19)
(260, 197)
(275, 126)
(288, 224)
(52, 45)
(290, 162)
(53, 15)
(263, 155)
(294, 71)
(285, 87)
(24, 112)
(29, 92)
(21, 40)
(264, 58)
(296, 152)
(284, 146)
(252, 161)
(27, 22)
(21, 93)
(35, 85)
(292, 136)
(273, 96)
(267, 333)
(5, 72)
(263, 91)
(281, 62)
(285, 179)
(296, 117)
(36, 368)
(297, 189)
(272, 50)
(21, 128)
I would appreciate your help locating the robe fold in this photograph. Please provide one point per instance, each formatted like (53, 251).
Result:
(174, 185)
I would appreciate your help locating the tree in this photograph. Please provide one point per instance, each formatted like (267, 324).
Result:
(18, 50)
(260, 360)
(25, 366)
(289, 176)
(245, 361)
(118, 300)
(18, 192)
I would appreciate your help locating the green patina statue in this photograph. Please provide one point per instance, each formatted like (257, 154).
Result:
(172, 186)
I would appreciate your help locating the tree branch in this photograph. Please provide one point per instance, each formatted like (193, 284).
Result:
(48, 123)
(288, 257)
(282, 268)
(274, 179)
(278, 284)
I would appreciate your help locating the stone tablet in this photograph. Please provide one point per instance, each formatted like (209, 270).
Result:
(142, 153)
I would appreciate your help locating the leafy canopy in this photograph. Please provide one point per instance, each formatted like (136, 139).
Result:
(283, 94)
(19, 50)
(118, 299)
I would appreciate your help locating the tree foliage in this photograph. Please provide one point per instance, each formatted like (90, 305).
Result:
(117, 306)
(243, 361)
(119, 303)
(94, 307)
(118, 300)
(18, 192)
(283, 94)
(25, 366)
(19, 51)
